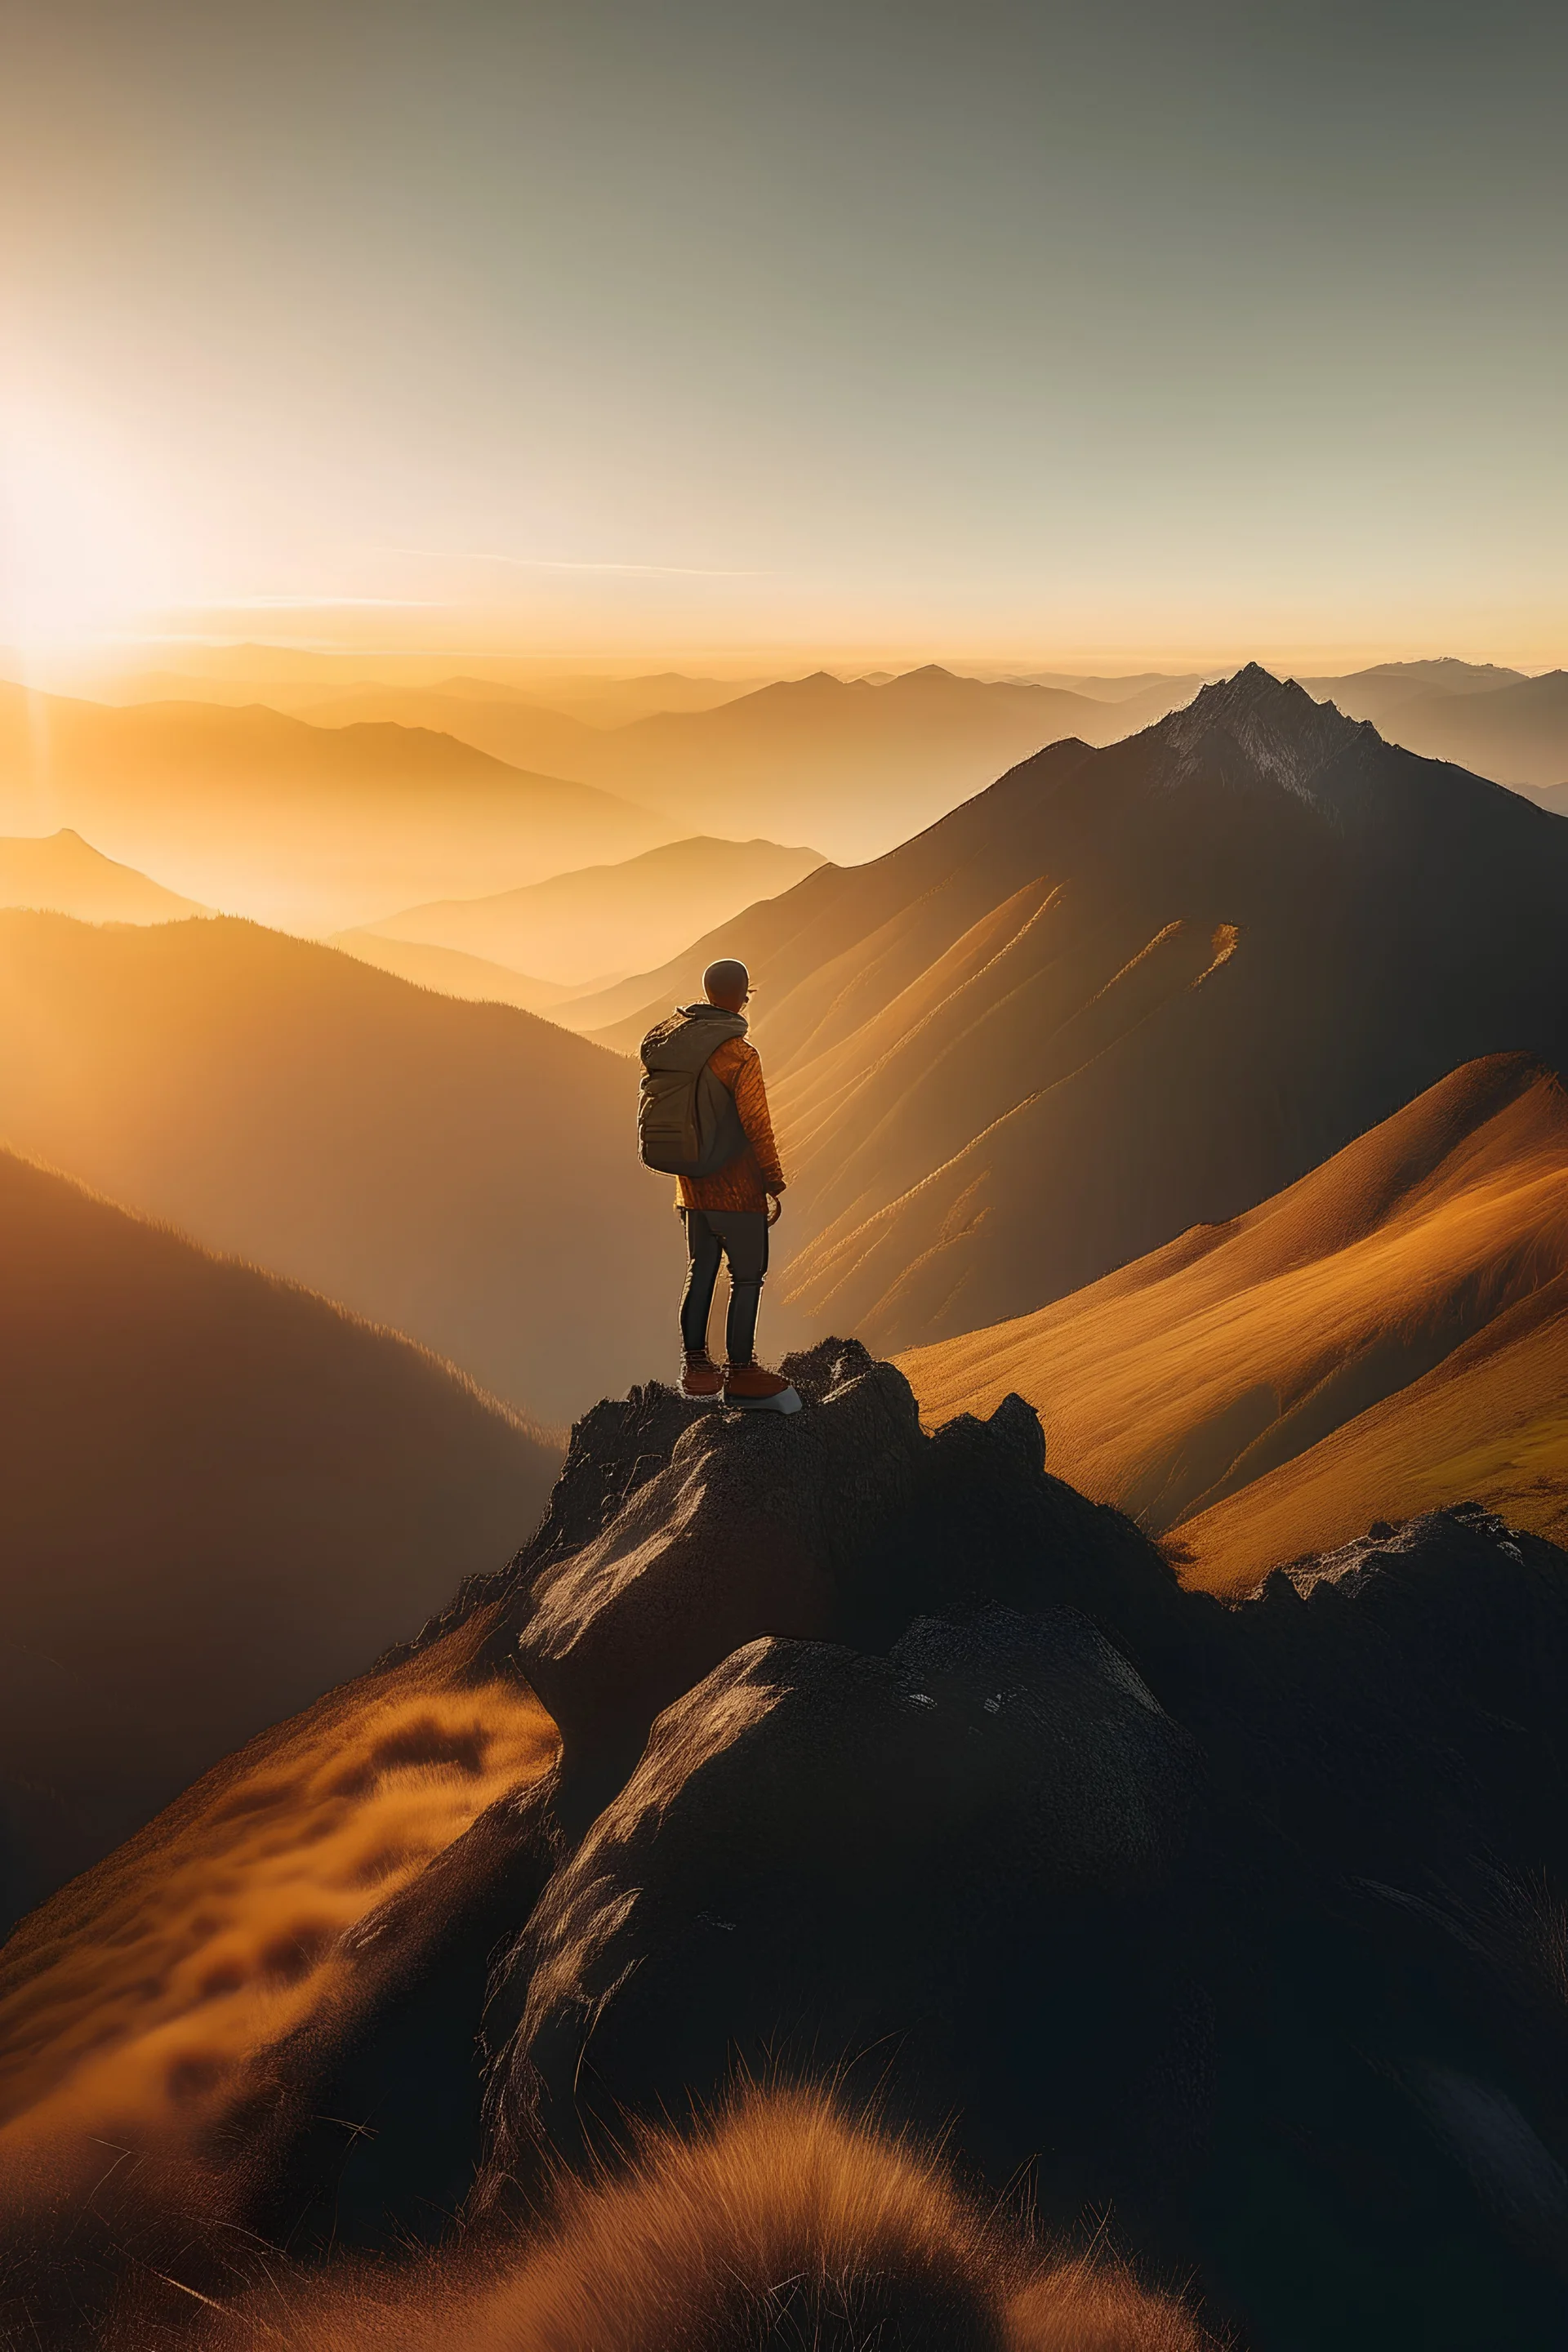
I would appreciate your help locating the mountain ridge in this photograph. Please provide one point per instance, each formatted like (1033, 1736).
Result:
(383, 1144)
(1198, 1373)
(605, 917)
(60, 873)
(220, 1489)
(1122, 991)
(256, 807)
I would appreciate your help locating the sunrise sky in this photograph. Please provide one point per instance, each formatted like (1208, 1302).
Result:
(1103, 332)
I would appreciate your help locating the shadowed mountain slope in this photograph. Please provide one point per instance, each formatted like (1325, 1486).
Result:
(889, 1763)
(464, 1172)
(1519, 734)
(60, 873)
(1194, 1375)
(256, 810)
(609, 916)
(1127, 992)
(221, 1494)
(1377, 693)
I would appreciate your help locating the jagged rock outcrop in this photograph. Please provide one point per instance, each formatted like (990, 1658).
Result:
(892, 1761)
(751, 1524)
(940, 1872)
(678, 1534)
(1233, 1924)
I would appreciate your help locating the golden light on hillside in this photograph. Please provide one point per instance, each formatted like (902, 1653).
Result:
(136, 2008)
(1381, 1338)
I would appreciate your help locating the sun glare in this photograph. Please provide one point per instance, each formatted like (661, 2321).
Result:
(84, 547)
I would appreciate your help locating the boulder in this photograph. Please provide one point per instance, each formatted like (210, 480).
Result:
(938, 1877)
(757, 1524)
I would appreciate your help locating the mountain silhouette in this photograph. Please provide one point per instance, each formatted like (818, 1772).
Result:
(608, 918)
(473, 711)
(221, 1495)
(1258, 1360)
(854, 766)
(251, 808)
(1517, 734)
(1126, 991)
(452, 973)
(62, 874)
(1390, 686)
(467, 1173)
(856, 763)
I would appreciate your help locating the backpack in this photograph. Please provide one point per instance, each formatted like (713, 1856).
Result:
(688, 1124)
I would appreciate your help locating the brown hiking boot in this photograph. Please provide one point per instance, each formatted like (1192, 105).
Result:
(701, 1379)
(755, 1388)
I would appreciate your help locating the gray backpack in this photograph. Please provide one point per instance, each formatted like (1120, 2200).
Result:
(688, 1124)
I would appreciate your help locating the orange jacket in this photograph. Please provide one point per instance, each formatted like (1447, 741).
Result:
(744, 1183)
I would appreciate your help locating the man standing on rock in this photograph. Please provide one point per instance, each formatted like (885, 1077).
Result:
(703, 1116)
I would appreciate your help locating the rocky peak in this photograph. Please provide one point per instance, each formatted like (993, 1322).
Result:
(1281, 732)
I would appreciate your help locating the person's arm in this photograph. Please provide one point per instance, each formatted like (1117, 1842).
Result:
(752, 1102)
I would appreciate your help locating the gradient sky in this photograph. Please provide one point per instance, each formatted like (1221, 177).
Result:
(1131, 330)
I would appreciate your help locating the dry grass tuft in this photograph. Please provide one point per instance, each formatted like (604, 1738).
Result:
(139, 2008)
(781, 2227)
(1096, 2307)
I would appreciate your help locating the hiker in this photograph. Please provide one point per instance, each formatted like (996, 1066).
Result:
(702, 1117)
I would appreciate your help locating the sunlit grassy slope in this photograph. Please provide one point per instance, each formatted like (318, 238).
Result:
(138, 2008)
(1490, 1424)
(1385, 1334)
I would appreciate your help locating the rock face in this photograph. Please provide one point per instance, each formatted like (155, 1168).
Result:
(1232, 1924)
(749, 1526)
(678, 1534)
(942, 1871)
(892, 1763)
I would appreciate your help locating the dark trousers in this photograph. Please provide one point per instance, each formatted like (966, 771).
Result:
(740, 1235)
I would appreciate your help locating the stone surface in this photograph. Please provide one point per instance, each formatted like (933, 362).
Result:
(940, 1872)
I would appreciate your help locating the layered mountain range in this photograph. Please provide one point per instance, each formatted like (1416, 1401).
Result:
(466, 1173)
(607, 919)
(1514, 729)
(1126, 991)
(855, 764)
(256, 810)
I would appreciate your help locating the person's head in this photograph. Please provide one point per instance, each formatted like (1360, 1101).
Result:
(727, 984)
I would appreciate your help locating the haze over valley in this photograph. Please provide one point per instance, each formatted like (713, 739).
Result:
(425, 1163)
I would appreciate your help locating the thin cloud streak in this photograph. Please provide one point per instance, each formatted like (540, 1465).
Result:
(309, 604)
(565, 564)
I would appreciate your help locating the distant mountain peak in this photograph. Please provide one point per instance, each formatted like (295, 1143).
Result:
(1273, 721)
